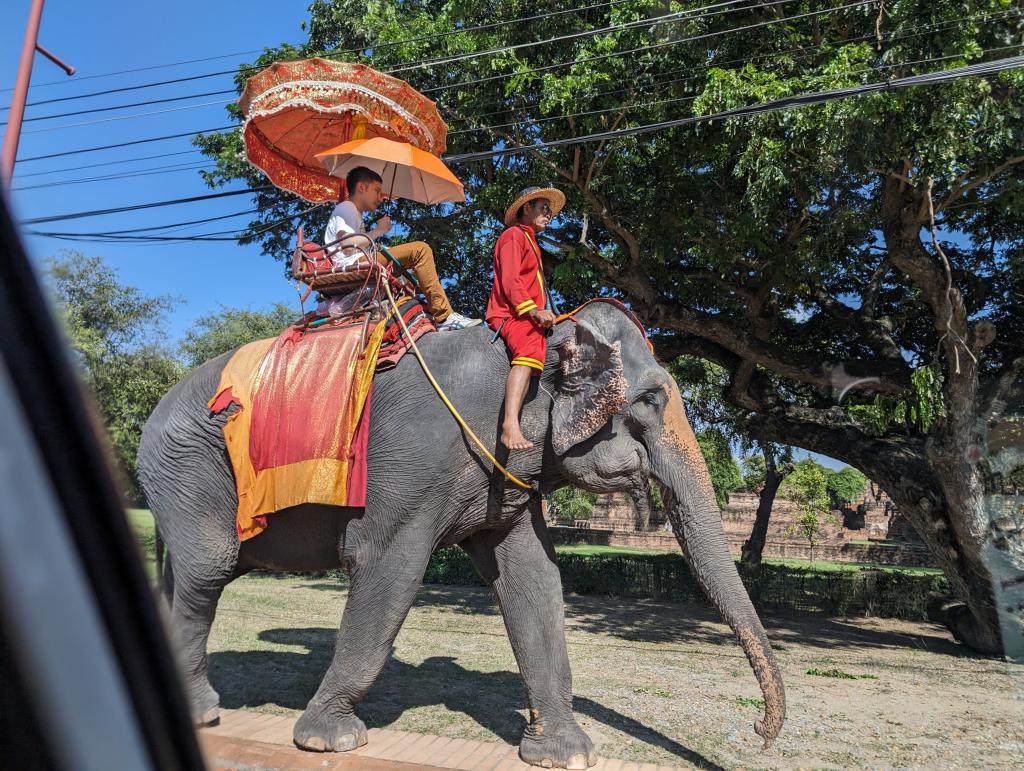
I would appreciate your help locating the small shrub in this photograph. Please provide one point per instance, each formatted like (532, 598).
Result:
(838, 673)
(746, 701)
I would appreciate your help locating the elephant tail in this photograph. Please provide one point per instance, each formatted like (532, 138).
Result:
(164, 573)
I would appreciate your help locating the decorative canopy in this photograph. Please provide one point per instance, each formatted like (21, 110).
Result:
(294, 110)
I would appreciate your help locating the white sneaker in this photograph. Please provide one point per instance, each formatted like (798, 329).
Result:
(457, 321)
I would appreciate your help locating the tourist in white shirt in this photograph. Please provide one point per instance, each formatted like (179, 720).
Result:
(346, 231)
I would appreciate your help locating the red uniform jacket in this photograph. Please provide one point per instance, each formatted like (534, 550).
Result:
(518, 280)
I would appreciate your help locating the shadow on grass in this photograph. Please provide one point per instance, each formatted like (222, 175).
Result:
(656, 621)
(289, 679)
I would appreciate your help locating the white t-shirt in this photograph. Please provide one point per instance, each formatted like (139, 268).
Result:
(346, 220)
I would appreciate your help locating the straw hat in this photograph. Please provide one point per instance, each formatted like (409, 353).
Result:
(555, 197)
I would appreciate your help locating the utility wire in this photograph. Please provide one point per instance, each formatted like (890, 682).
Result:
(796, 100)
(223, 235)
(536, 70)
(799, 52)
(111, 108)
(927, 29)
(232, 91)
(635, 107)
(373, 46)
(133, 116)
(330, 55)
(425, 63)
(104, 163)
(122, 175)
(124, 144)
(644, 105)
(137, 207)
(677, 41)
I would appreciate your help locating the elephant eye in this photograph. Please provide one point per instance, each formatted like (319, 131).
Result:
(651, 396)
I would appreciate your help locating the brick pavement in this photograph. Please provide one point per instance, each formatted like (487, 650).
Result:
(255, 741)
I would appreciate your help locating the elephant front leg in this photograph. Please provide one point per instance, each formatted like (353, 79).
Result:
(520, 565)
(382, 591)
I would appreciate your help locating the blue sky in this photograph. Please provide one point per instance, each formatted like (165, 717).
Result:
(100, 37)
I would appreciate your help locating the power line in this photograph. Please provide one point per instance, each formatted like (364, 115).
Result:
(222, 235)
(686, 15)
(374, 46)
(133, 116)
(333, 54)
(414, 64)
(799, 52)
(926, 27)
(139, 206)
(124, 144)
(122, 175)
(536, 70)
(797, 100)
(677, 41)
(105, 163)
(111, 108)
(627, 108)
(634, 107)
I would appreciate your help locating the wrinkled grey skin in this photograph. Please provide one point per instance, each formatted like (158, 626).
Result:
(605, 417)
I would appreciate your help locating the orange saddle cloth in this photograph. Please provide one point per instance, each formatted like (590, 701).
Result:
(299, 433)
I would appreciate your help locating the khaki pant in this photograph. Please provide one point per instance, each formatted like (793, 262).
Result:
(419, 258)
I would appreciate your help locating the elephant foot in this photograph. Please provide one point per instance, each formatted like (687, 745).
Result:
(320, 731)
(562, 745)
(205, 707)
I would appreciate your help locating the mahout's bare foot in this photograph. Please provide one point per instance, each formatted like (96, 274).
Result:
(512, 437)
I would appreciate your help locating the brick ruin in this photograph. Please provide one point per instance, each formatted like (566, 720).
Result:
(871, 530)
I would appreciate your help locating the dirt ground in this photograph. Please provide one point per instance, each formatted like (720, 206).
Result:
(653, 681)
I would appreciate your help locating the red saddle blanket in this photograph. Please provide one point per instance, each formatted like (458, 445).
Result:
(299, 434)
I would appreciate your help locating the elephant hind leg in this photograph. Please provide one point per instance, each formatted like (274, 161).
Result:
(196, 587)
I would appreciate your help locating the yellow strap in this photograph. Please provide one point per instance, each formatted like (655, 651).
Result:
(536, 251)
(451, 408)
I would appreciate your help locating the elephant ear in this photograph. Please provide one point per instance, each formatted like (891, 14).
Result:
(593, 387)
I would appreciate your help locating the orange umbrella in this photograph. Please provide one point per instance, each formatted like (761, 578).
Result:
(407, 171)
(294, 110)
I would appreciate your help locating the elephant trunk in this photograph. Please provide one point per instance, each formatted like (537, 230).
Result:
(690, 502)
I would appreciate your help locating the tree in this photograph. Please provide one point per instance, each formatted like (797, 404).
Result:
(118, 343)
(845, 486)
(231, 328)
(807, 487)
(571, 503)
(768, 470)
(795, 250)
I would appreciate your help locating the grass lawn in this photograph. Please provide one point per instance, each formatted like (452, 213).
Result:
(653, 682)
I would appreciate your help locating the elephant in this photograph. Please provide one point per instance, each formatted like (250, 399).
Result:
(604, 416)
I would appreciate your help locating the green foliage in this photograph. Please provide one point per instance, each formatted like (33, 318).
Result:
(231, 328)
(917, 411)
(746, 701)
(754, 471)
(838, 674)
(725, 474)
(117, 341)
(845, 486)
(807, 486)
(570, 503)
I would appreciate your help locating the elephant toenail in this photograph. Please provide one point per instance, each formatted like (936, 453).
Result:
(314, 743)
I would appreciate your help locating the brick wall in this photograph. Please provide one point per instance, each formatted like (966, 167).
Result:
(910, 555)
